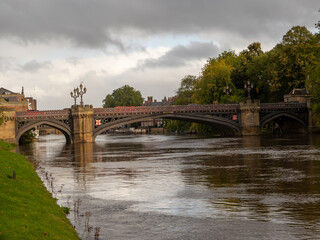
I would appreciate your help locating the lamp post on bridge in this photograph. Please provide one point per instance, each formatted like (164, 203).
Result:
(248, 85)
(82, 117)
(227, 90)
(74, 95)
(81, 92)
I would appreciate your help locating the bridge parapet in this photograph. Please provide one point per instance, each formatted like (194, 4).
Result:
(43, 114)
(167, 109)
(279, 106)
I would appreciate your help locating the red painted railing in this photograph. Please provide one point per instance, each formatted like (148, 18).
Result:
(46, 113)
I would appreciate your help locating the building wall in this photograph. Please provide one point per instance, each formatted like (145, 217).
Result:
(32, 103)
(16, 101)
(7, 128)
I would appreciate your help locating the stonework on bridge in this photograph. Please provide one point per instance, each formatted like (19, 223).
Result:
(7, 128)
(82, 117)
(84, 123)
(250, 122)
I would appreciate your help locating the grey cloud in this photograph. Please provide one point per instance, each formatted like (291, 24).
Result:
(34, 66)
(5, 64)
(73, 60)
(181, 55)
(97, 24)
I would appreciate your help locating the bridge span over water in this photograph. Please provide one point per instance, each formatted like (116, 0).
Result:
(84, 123)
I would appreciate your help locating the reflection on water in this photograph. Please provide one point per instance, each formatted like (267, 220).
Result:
(173, 187)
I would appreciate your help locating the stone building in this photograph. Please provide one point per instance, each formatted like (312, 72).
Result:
(16, 101)
(32, 103)
(10, 103)
(154, 103)
(300, 95)
(150, 102)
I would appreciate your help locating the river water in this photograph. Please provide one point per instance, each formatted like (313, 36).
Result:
(182, 187)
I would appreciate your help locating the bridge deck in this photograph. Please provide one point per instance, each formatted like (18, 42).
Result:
(168, 109)
(280, 106)
(43, 114)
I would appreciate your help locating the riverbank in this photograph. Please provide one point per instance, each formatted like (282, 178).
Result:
(27, 210)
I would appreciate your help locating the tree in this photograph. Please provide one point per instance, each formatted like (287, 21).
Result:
(27, 137)
(293, 60)
(297, 35)
(314, 88)
(244, 61)
(176, 126)
(186, 90)
(313, 81)
(183, 97)
(216, 75)
(124, 96)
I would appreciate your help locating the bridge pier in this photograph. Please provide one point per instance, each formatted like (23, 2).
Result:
(250, 121)
(7, 128)
(82, 117)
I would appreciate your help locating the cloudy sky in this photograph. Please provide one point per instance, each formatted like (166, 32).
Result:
(51, 46)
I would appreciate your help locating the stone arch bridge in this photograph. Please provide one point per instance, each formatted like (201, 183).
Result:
(84, 123)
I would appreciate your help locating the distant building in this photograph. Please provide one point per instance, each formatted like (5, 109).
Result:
(300, 95)
(155, 123)
(32, 103)
(9, 99)
(155, 103)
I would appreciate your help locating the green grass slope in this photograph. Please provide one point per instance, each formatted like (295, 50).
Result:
(27, 210)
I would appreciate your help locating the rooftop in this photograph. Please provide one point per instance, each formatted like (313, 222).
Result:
(4, 91)
(299, 91)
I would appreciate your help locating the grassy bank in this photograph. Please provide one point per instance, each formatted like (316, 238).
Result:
(27, 210)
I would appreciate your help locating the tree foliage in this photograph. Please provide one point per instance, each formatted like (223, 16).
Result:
(186, 90)
(293, 63)
(314, 86)
(124, 96)
(176, 126)
(27, 137)
(215, 77)
(294, 58)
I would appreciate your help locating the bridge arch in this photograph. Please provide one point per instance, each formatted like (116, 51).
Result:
(279, 115)
(62, 127)
(225, 126)
(274, 116)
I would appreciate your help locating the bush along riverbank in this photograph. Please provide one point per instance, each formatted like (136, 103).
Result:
(27, 210)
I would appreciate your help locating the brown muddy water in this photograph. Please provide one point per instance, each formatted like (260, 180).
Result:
(182, 187)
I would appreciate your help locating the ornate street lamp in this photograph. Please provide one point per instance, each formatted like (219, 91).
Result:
(248, 85)
(81, 92)
(74, 95)
(227, 91)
